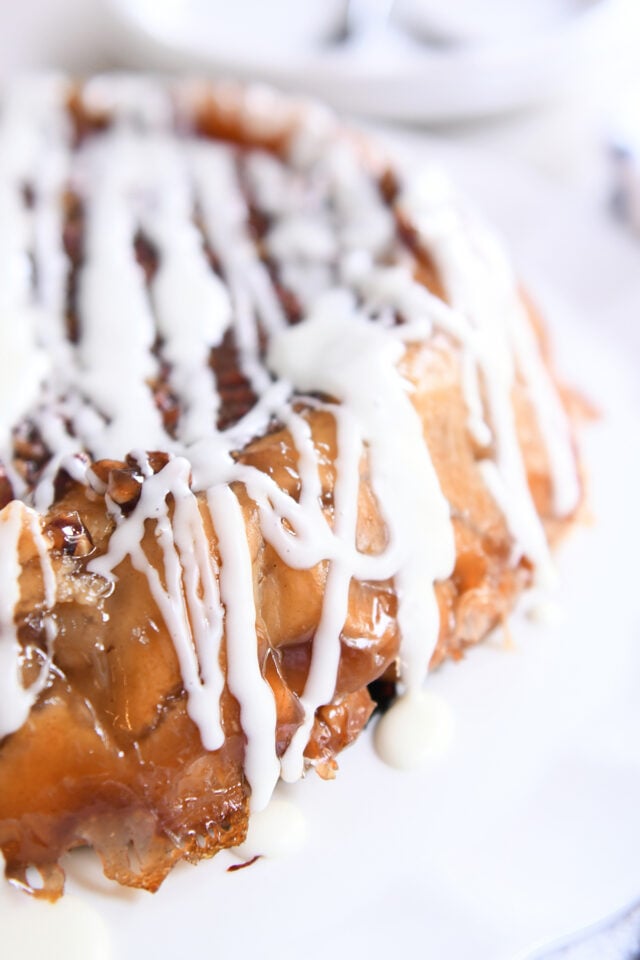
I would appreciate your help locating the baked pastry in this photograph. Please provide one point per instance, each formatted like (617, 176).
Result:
(279, 423)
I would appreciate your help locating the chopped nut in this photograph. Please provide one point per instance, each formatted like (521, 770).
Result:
(124, 487)
(98, 473)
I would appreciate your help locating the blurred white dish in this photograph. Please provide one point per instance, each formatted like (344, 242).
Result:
(386, 73)
(492, 21)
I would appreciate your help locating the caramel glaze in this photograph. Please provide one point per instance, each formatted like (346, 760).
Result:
(109, 756)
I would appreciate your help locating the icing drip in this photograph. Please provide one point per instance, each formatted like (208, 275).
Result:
(246, 683)
(552, 417)
(224, 214)
(32, 162)
(186, 593)
(191, 304)
(499, 342)
(326, 228)
(325, 655)
(418, 727)
(336, 351)
(117, 326)
(16, 701)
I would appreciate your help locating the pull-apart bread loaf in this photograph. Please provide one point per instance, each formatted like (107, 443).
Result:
(275, 422)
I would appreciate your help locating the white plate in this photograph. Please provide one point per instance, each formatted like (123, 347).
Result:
(383, 73)
(529, 827)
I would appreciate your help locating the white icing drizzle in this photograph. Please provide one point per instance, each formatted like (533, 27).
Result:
(16, 700)
(325, 655)
(277, 832)
(333, 242)
(117, 325)
(186, 594)
(552, 417)
(338, 352)
(31, 158)
(363, 220)
(192, 306)
(302, 239)
(480, 281)
(246, 683)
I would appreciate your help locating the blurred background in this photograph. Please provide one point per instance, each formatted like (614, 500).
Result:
(548, 82)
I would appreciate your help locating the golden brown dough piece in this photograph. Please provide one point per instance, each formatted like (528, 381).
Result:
(109, 754)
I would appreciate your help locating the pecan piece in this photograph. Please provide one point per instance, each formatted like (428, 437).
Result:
(69, 535)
